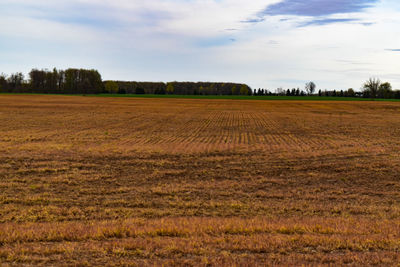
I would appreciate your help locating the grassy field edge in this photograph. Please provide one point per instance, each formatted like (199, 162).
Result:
(227, 97)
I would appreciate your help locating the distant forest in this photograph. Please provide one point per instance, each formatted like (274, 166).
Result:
(84, 81)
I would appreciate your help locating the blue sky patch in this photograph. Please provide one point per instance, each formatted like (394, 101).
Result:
(315, 8)
(324, 21)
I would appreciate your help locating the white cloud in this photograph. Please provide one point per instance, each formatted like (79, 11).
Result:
(200, 40)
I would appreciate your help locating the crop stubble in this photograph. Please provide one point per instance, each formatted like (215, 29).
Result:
(183, 181)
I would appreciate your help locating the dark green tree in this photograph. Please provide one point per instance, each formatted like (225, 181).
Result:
(15, 82)
(3, 83)
(385, 90)
(111, 87)
(170, 88)
(350, 92)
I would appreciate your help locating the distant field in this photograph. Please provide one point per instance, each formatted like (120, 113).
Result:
(243, 97)
(235, 97)
(152, 181)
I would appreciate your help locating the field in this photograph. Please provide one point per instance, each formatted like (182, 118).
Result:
(235, 97)
(148, 181)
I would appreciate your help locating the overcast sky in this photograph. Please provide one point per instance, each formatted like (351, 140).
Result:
(265, 43)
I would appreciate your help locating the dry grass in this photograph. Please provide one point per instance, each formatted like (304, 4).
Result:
(198, 182)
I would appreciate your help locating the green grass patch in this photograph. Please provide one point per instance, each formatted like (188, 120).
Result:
(242, 97)
(229, 97)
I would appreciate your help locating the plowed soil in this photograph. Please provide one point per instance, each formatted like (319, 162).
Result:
(136, 181)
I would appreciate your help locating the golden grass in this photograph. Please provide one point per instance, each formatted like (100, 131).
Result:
(113, 181)
(199, 240)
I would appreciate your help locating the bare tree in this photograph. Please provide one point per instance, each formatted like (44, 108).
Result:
(310, 88)
(371, 87)
(279, 91)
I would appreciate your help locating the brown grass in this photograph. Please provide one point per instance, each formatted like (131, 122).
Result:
(198, 182)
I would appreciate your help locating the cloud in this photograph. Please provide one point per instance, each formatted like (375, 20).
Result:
(272, 42)
(303, 13)
(257, 20)
(352, 62)
(220, 40)
(325, 21)
(321, 12)
(367, 23)
(314, 8)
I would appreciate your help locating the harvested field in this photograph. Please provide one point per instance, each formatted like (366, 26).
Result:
(91, 180)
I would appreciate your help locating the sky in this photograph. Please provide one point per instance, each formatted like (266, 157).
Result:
(338, 44)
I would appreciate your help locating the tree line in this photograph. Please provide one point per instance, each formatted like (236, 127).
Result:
(70, 81)
(83, 81)
(372, 88)
(177, 88)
